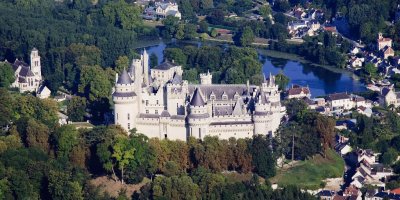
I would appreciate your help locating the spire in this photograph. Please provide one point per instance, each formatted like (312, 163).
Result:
(197, 100)
(124, 78)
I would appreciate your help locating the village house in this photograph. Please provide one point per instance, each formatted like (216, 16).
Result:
(383, 42)
(161, 10)
(298, 92)
(389, 97)
(339, 101)
(356, 62)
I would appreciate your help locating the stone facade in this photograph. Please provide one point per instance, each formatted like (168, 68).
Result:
(27, 77)
(163, 105)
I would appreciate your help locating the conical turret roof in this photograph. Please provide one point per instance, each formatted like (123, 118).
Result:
(124, 78)
(197, 100)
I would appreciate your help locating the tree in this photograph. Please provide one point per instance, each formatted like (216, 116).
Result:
(123, 154)
(325, 126)
(66, 137)
(175, 54)
(214, 32)
(62, 187)
(153, 60)
(190, 31)
(122, 15)
(6, 107)
(121, 63)
(282, 81)
(37, 135)
(265, 11)
(203, 27)
(171, 24)
(175, 187)
(370, 69)
(6, 75)
(76, 109)
(246, 37)
(263, 160)
(180, 32)
(389, 157)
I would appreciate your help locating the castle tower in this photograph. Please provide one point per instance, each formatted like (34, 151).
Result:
(262, 115)
(125, 101)
(145, 64)
(206, 78)
(35, 64)
(198, 118)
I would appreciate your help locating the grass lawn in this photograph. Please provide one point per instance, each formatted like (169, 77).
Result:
(309, 174)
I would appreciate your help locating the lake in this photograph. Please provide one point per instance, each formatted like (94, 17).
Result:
(320, 80)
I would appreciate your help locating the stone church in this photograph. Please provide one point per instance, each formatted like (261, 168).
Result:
(28, 78)
(163, 105)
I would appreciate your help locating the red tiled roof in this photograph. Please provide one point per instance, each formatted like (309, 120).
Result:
(298, 90)
(395, 191)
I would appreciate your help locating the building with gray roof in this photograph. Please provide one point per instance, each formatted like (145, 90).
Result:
(166, 106)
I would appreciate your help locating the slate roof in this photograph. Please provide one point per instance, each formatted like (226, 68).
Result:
(165, 113)
(385, 91)
(124, 78)
(222, 110)
(219, 89)
(198, 116)
(231, 123)
(166, 65)
(124, 94)
(177, 79)
(18, 63)
(326, 193)
(143, 115)
(197, 99)
(21, 80)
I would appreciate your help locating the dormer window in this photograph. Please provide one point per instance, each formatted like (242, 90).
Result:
(236, 96)
(212, 96)
(224, 96)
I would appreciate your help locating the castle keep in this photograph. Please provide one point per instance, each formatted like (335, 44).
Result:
(163, 105)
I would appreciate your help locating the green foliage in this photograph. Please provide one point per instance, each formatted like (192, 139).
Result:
(122, 15)
(282, 81)
(61, 186)
(246, 37)
(76, 109)
(6, 107)
(66, 137)
(263, 159)
(153, 60)
(389, 157)
(175, 187)
(6, 75)
(370, 69)
(265, 10)
(121, 63)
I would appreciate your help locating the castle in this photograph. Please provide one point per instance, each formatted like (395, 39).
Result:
(163, 105)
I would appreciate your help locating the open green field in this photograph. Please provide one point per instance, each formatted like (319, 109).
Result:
(309, 174)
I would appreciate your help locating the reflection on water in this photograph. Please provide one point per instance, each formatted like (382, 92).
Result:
(320, 80)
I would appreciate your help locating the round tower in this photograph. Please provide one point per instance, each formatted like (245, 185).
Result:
(198, 118)
(262, 116)
(125, 102)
